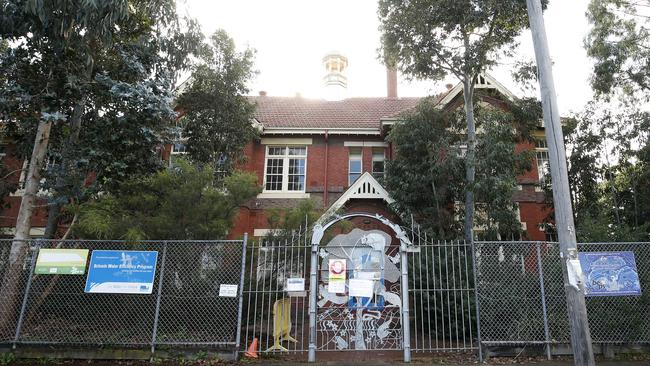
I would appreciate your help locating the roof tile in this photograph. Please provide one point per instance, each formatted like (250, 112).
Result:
(298, 112)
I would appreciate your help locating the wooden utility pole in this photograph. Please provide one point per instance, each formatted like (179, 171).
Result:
(583, 354)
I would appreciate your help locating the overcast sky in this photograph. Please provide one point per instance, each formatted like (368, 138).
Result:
(291, 37)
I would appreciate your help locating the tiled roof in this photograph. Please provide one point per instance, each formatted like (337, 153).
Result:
(298, 112)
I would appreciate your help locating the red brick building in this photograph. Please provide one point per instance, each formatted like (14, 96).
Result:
(328, 150)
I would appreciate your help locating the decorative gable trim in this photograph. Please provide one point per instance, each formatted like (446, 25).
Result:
(366, 187)
(484, 81)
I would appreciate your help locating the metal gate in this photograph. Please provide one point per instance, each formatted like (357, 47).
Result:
(420, 292)
(274, 319)
(370, 321)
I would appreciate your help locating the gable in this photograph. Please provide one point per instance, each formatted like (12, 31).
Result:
(365, 187)
(484, 81)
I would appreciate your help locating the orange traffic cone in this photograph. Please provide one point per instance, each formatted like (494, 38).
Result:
(252, 349)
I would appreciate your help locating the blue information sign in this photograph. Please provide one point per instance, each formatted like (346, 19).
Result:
(121, 272)
(610, 273)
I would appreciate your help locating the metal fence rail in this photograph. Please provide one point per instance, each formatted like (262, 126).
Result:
(441, 292)
(279, 322)
(515, 296)
(522, 301)
(184, 307)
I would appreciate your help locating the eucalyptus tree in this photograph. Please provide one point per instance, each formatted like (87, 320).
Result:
(436, 38)
(425, 176)
(619, 42)
(89, 82)
(90, 87)
(217, 114)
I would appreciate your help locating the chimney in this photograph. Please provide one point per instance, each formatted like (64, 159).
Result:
(449, 86)
(391, 82)
(262, 93)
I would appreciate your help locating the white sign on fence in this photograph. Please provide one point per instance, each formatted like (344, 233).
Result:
(295, 284)
(227, 290)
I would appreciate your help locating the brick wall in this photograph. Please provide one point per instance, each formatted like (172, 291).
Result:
(9, 214)
(532, 207)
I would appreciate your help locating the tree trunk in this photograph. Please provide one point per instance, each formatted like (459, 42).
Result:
(55, 205)
(470, 161)
(12, 281)
(53, 214)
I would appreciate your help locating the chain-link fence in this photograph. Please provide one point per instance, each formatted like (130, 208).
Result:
(522, 300)
(183, 306)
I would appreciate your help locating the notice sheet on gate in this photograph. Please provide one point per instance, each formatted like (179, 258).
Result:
(361, 287)
(337, 275)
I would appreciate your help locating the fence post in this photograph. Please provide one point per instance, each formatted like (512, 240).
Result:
(476, 299)
(154, 333)
(406, 328)
(313, 294)
(547, 336)
(23, 307)
(241, 296)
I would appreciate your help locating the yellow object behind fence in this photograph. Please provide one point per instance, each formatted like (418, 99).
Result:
(281, 324)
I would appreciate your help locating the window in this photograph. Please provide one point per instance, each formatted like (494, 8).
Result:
(179, 147)
(354, 165)
(378, 158)
(285, 168)
(178, 150)
(541, 153)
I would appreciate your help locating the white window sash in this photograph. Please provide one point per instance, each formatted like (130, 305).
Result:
(285, 169)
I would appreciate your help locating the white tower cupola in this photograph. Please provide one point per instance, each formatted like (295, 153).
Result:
(336, 83)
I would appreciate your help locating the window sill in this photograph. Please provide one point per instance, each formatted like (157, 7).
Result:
(283, 195)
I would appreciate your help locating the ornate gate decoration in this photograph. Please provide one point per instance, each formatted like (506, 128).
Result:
(343, 321)
(346, 322)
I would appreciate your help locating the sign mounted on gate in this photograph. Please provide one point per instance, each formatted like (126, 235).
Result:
(610, 273)
(336, 283)
(61, 261)
(121, 272)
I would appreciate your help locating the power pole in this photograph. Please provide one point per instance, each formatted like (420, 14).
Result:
(583, 354)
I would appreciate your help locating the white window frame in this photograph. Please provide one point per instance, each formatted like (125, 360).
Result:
(284, 192)
(350, 160)
(173, 153)
(542, 148)
(383, 160)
